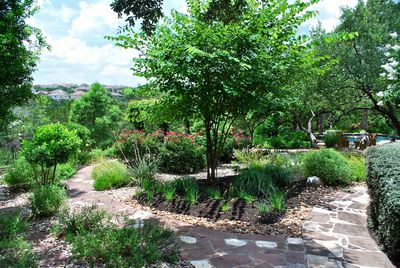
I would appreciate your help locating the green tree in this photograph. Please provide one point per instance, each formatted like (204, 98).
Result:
(51, 145)
(20, 46)
(220, 68)
(361, 58)
(97, 111)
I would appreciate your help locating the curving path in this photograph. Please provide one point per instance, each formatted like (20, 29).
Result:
(334, 236)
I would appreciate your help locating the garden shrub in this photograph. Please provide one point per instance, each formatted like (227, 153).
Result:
(129, 142)
(181, 155)
(331, 139)
(46, 200)
(252, 180)
(287, 140)
(246, 156)
(329, 165)
(51, 145)
(65, 171)
(383, 179)
(110, 174)
(357, 164)
(14, 250)
(6, 157)
(74, 222)
(143, 169)
(235, 140)
(131, 246)
(20, 175)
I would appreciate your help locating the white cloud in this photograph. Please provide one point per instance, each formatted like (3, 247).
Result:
(94, 19)
(329, 13)
(66, 13)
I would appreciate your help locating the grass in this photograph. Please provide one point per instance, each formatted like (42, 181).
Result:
(263, 209)
(213, 193)
(277, 200)
(357, 165)
(110, 174)
(225, 207)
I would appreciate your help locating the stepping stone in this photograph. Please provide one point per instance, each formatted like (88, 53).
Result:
(353, 218)
(295, 241)
(333, 246)
(351, 230)
(188, 239)
(201, 264)
(315, 261)
(235, 242)
(266, 244)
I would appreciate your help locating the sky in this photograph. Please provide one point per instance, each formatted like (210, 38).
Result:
(79, 53)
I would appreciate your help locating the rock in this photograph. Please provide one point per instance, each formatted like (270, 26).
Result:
(314, 180)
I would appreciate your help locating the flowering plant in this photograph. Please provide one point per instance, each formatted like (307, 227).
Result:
(391, 68)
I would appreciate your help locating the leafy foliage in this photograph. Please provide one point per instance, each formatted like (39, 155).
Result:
(331, 139)
(51, 145)
(384, 188)
(20, 175)
(20, 46)
(96, 111)
(329, 165)
(46, 200)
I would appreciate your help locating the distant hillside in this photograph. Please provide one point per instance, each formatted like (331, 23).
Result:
(70, 88)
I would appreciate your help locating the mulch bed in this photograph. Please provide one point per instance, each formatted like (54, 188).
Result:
(242, 217)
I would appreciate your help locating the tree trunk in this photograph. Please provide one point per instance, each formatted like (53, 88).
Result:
(364, 119)
(321, 120)
(187, 126)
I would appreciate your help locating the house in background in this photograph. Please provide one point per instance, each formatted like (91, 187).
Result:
(58, 95)
(76, 95)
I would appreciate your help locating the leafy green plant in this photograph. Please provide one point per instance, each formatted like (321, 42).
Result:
(181, 155)
(327, 164)
(14, 250)
(331, 139)
(252, 180)
(65, 171)
(263, 209)
(225, 207)
(109, 174)
(130, 246)
(358, 167)
(51, 145)
(46, 200)
(144, 168)
(248, 198)
(383, 175)
(169, 191)
(277, 200)
(246, 156)
(214, 193)
(20, 175)
(192, 194)
(74, 222)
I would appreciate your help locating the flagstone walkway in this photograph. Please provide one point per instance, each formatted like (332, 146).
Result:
(334, 236)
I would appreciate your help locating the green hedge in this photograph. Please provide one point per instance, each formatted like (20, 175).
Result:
(383, 179)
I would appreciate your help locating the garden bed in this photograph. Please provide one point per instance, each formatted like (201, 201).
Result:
(242, 217)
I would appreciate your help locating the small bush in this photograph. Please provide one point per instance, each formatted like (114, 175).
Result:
(16, 253)
(110, 174)
(129, 246)
(181, 155)
(98, 155)
(329, 165)
(277, 200)
(142, 169)
(383, 179)
(213, 193)
(169, 191)
(14, 250)
(12, 225)
(247, 156)
(46, 200)
(331, 139)
(357, 164)
(225, 207)
(253, 181)
(263, 209)
(20, 175)
(248, 198)
(6, 157)
(71, 223)
(65, 171)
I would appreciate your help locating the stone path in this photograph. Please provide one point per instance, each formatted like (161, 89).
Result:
(336, 233)
(334, 236)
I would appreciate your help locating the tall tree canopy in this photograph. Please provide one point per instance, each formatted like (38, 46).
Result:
(20, 45)
(219, 68)
(360, 59)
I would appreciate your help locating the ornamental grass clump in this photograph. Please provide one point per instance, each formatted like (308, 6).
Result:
(110, 174)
